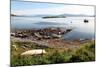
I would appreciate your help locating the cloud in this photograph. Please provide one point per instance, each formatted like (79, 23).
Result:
(69, 9)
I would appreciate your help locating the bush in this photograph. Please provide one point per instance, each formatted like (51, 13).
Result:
(84, 53)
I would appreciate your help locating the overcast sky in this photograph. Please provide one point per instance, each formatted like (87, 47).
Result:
(32, 8)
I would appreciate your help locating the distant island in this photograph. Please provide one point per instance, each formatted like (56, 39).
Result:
(60, 16)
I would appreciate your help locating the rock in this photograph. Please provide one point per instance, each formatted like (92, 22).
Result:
(15, 47)
(56, 36)
(12, 34)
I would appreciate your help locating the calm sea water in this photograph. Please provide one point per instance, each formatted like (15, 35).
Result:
(80, 30)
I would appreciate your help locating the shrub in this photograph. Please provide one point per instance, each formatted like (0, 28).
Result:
(84, 53)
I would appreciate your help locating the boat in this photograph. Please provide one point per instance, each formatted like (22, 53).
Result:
(86, 21)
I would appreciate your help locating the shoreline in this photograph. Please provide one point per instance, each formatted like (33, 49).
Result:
(49, 37)
(53, 43)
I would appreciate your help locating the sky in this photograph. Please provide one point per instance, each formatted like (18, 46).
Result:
(36, 8)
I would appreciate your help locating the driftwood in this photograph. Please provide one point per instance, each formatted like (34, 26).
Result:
(34, 52)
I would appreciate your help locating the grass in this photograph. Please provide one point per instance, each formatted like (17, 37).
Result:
(86, 52)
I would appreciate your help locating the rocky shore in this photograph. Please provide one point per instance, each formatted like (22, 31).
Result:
(38, 34)
(48, 37)
(31, 45)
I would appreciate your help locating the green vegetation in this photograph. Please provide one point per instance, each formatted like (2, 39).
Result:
(86, 52)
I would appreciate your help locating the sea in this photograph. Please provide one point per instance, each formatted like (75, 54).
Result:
(80, 29)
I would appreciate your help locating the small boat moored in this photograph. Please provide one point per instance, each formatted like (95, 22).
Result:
(86, 21)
